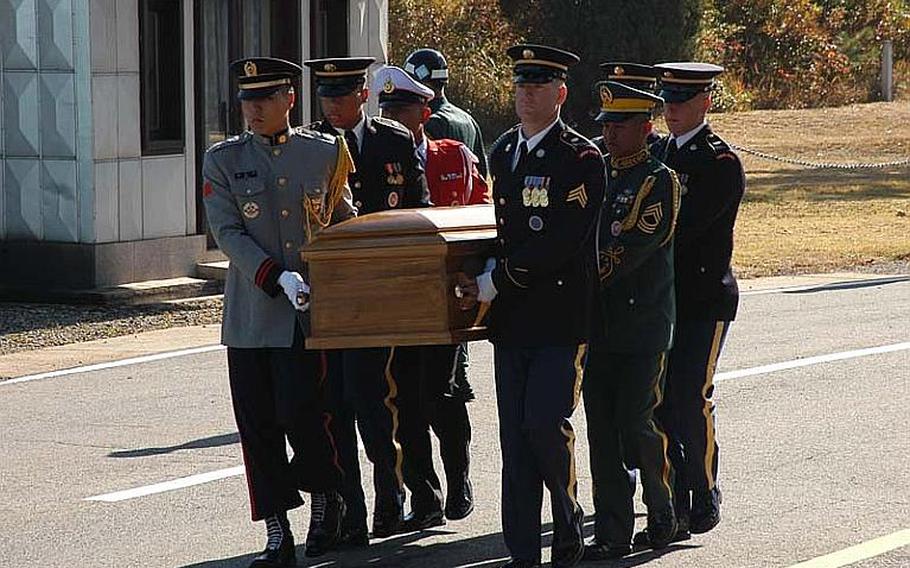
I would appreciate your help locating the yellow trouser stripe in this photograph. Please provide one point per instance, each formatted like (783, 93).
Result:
(579, 373)
(658, 398)
(393, 410)
(572, 485)
(566, 428)
(708, 404)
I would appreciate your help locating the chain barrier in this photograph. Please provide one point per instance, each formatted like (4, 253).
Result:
(819, 165)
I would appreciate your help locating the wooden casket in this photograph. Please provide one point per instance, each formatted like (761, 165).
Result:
(389, 278)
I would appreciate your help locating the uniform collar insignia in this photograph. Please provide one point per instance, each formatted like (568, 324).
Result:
(627, 162)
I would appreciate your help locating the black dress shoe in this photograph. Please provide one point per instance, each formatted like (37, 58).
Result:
(280, 557)
(519, 563)
(642, 539)
(597, 552)
(567, 549)
(386, 524)
(418, 521)
(353, 537)
(326, 513)
(662, 527)
(705, 510)
(459, 500)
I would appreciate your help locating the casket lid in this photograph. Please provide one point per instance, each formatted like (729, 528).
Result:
(441, 222)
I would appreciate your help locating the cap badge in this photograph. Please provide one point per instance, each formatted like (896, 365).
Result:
(619, 70)
(329, 67)
(606, 97)
(250, 69)
(528, 54)
(388, 87)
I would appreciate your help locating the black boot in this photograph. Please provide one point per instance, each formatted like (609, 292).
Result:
(279, 550)
(326, 514)
(567, 549)
(642, 539)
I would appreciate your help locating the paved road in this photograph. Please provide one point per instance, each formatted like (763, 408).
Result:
(814, 459)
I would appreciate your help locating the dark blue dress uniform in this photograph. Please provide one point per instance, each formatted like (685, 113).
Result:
(545, 273)
(388, 176)
(264, 197)
(628, 357)
(706, 293)
(635, 75)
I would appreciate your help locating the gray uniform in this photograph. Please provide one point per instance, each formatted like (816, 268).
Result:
(254, 197)
(260, 192)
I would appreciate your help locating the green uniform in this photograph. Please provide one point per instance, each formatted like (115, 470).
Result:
(450, 121)
(627, 361)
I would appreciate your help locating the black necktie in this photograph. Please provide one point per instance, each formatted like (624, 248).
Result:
(351, 140)
(671, 150)
(522, 154)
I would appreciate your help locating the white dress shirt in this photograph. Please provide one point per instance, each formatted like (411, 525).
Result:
(683, 138)
(531, 142)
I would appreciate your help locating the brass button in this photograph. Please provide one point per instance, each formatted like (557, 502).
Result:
(502, 200)
(288, 245)
(358, 204)
(276, 151)
(502, 221)
(559, 282)
(702, 269)
(356, 185)
(631, 301)
(614, 174)
(285, 213)
(282, 181)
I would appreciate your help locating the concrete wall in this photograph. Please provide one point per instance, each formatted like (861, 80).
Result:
(45, 176)
(136, 197)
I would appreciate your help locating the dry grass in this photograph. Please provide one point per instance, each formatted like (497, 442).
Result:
(799, 220)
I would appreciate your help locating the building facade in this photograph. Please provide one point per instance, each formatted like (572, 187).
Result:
(106, 108)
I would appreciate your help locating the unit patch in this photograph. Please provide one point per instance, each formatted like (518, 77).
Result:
(251, 210)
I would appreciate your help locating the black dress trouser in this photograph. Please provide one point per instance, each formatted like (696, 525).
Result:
(277, 395)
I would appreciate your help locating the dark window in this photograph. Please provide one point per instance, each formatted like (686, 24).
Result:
(161, 76)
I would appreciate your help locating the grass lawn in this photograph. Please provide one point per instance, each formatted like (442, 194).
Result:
(800, 220)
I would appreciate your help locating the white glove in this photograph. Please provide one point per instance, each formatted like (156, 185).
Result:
(486, 290)
(293, 285)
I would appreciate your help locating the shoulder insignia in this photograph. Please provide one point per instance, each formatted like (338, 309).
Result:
(502, 139)
(726, 156)
(574, 139)
(578, 195)
(207, 189)
(716, 143)
(390, 124)
(311, 134)
(232, 141)
(589, 152)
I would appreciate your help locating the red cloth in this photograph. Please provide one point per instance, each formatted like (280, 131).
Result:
(452, 174)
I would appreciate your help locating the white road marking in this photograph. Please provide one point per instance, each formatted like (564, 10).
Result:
(112, 364)
(807, 361)
(752, 371)
(171, 485)
(862, 551)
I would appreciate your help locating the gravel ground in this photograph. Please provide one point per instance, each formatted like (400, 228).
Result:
(32, 326)
(24, 327)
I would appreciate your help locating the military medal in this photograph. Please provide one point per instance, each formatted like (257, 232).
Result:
(393, 199)
(616, 228)
(251, 210)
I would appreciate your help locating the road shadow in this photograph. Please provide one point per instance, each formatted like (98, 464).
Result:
(210, 442)
(870, 283)
(406, 551)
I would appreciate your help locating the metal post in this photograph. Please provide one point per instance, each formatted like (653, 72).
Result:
(887, 71)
